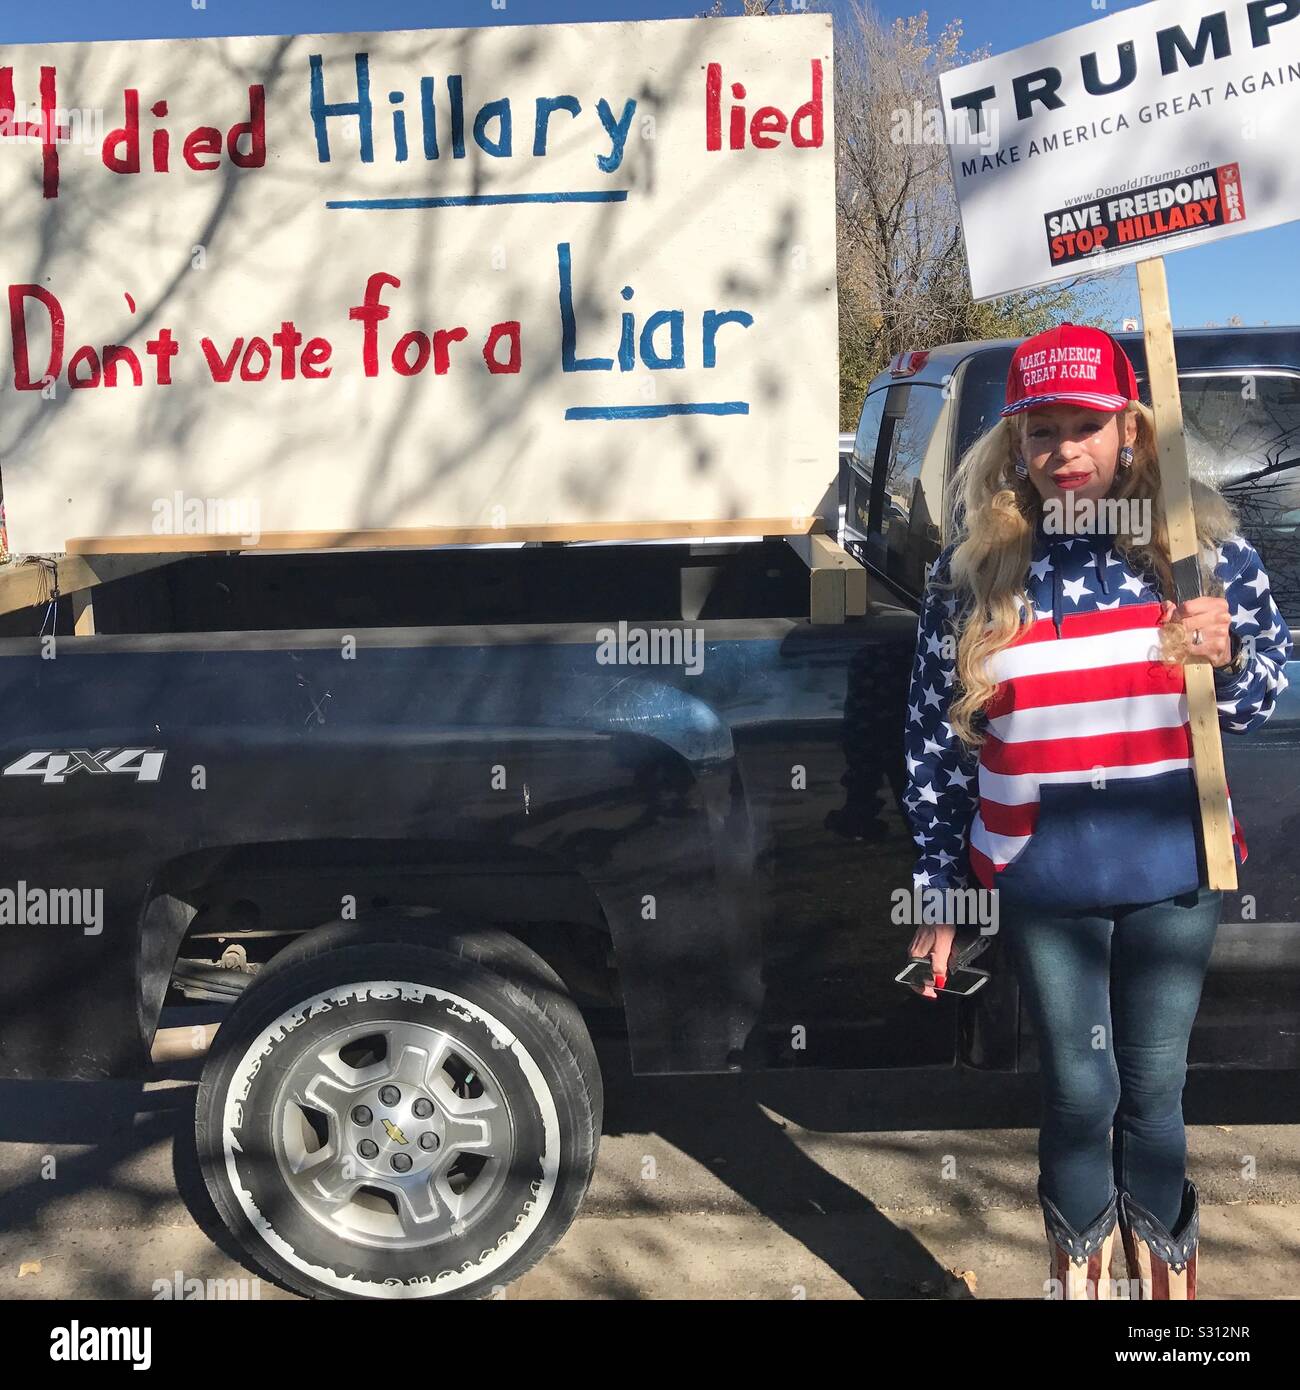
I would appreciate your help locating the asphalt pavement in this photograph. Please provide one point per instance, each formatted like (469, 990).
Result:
(829, 1185)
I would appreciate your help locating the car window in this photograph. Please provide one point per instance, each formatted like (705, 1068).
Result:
(903, 491)
(983, 392)
(1243, 435)
(894, 490)
(864, 442)
(912, 496)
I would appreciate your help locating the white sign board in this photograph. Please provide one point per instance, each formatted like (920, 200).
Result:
(1161, 127)
(489, 277)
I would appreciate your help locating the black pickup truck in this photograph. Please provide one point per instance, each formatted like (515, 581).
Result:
(424, 823)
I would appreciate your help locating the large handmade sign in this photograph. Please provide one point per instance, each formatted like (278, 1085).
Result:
(1164, 126)
(503, 277)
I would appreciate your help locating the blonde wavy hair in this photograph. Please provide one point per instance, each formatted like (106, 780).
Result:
(994, 543)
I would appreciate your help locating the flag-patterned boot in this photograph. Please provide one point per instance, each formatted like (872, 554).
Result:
(1080, 1260)
(1161, 1265)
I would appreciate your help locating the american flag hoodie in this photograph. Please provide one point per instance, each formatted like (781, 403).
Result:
(1084, 793)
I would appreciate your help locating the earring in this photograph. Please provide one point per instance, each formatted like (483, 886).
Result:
(1022, 468)
(1126, 457)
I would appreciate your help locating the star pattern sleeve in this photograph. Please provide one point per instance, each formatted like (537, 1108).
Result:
(1245, 701)
(941, 787)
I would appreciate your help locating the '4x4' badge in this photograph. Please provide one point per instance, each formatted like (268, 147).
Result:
(58, 765)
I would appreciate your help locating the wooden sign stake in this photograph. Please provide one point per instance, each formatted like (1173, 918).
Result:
(1175, 482)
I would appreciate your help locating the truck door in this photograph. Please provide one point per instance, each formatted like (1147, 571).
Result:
(1243, 431)
(827, 785)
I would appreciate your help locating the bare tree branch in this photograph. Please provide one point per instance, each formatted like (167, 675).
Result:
(901, 261)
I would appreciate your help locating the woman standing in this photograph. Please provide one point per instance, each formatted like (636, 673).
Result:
(1049, 759)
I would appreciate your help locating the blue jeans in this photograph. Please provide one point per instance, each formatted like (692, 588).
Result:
(1112, 992)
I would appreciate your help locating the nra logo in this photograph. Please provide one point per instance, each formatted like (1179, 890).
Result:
(57, 766)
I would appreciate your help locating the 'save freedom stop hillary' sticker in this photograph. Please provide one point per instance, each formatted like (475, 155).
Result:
(1150, 212)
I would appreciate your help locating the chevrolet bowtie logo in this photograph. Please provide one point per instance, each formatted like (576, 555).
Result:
(394, 1133)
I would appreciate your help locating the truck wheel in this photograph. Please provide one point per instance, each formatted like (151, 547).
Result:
(384, 1115)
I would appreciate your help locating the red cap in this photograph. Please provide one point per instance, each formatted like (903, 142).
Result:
(1070, 365)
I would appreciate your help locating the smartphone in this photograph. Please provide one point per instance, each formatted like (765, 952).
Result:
(961, 980)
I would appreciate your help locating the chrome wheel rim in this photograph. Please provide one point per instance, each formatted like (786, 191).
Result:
(393, 1134)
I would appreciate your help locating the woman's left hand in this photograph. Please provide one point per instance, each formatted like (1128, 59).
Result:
(1210, 617)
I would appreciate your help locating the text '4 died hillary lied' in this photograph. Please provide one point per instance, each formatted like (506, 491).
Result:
(431, 122)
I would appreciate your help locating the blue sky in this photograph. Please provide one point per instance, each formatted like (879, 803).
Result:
(1240, 276)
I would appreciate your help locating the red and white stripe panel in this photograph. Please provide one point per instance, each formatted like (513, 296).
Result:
(1082, 1281)
(1156, 1280)
(1096, 700)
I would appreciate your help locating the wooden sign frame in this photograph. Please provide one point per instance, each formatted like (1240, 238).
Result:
(837, 583)
(1175, 483)
(422, 536)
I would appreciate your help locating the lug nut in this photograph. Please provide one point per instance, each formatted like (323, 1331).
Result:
(389, 1095)
(361, 1115)
(402, 1163)
(423, 1108)
(428, 1140)
(367, 1148)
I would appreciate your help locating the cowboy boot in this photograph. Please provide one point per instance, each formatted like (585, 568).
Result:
(1161, 1265)
(1080, 1260)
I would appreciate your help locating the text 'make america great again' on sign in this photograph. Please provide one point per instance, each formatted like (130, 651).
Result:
(509, 276)
(1166, 126)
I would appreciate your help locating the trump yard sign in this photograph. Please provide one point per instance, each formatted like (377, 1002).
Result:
(1168, 125)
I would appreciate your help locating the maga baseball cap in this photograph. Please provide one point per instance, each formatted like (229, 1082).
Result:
(1070, 365)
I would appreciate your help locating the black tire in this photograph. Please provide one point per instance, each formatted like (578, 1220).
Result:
(496, 1001)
